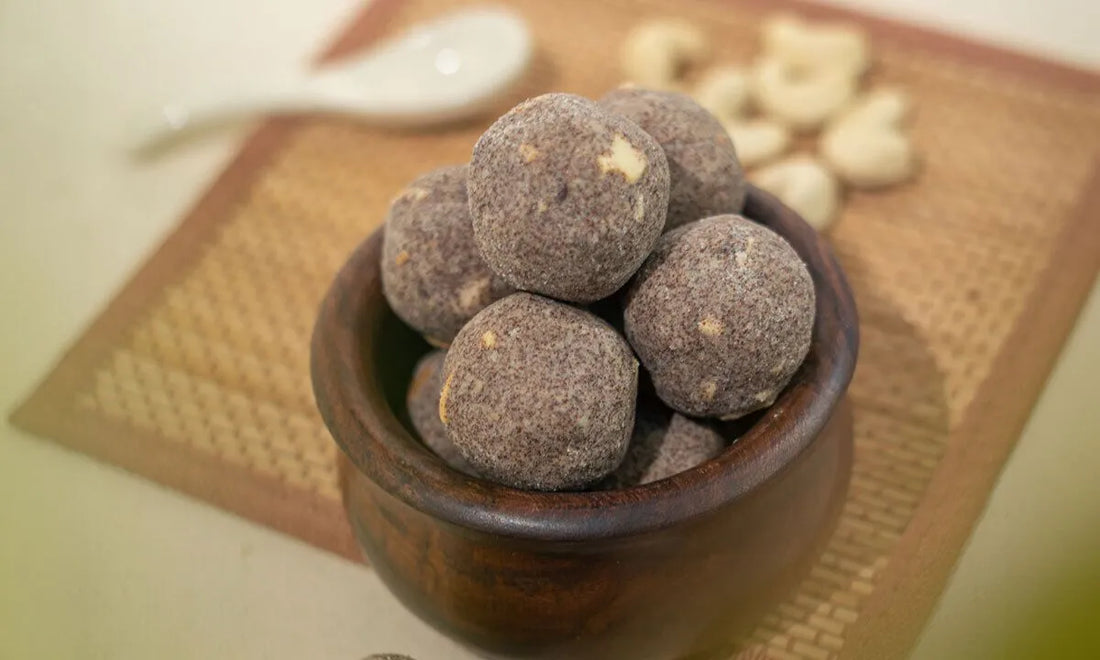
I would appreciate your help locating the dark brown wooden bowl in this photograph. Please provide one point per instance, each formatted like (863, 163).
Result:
(656, 571)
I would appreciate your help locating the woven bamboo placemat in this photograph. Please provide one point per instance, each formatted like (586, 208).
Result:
(967, 281)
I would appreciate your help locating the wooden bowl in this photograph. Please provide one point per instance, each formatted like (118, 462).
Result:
(656, 571)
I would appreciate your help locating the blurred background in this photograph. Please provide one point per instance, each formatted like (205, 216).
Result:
(97, 563)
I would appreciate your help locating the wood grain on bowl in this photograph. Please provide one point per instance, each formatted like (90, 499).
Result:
(654, 571)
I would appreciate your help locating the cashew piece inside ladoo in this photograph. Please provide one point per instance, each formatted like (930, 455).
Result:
(656, 53)
(805, 185)
(865, 145)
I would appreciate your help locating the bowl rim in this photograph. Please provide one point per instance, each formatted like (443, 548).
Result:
(355, 410)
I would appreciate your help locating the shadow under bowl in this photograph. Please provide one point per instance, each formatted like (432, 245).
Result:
(664, 570)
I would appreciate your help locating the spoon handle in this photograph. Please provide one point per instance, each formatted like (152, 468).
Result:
(172, 121)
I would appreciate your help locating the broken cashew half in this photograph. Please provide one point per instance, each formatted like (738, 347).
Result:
(757, 140)
(865, 145)
(802, 98)
(656, 53)
(805, 185)
(803, 44)
(724, 91)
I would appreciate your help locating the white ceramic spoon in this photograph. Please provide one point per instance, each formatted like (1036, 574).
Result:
(436, 72)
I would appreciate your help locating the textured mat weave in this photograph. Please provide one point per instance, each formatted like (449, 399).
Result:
(967, 282)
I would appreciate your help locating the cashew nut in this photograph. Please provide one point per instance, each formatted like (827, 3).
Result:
(805, 185)
(724, 91)
(802, 98)
(838, 46)
(869, 157)
(655, 53)
(757, 141)
(865, 145)
(879, 107)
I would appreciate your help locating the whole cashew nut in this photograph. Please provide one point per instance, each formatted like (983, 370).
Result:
(757, 141)
(801, 98)
(865, 145)
(869, 158)
(879, 107)
(655, 53)
(724, 91)
(838, 46)
(805, 185)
